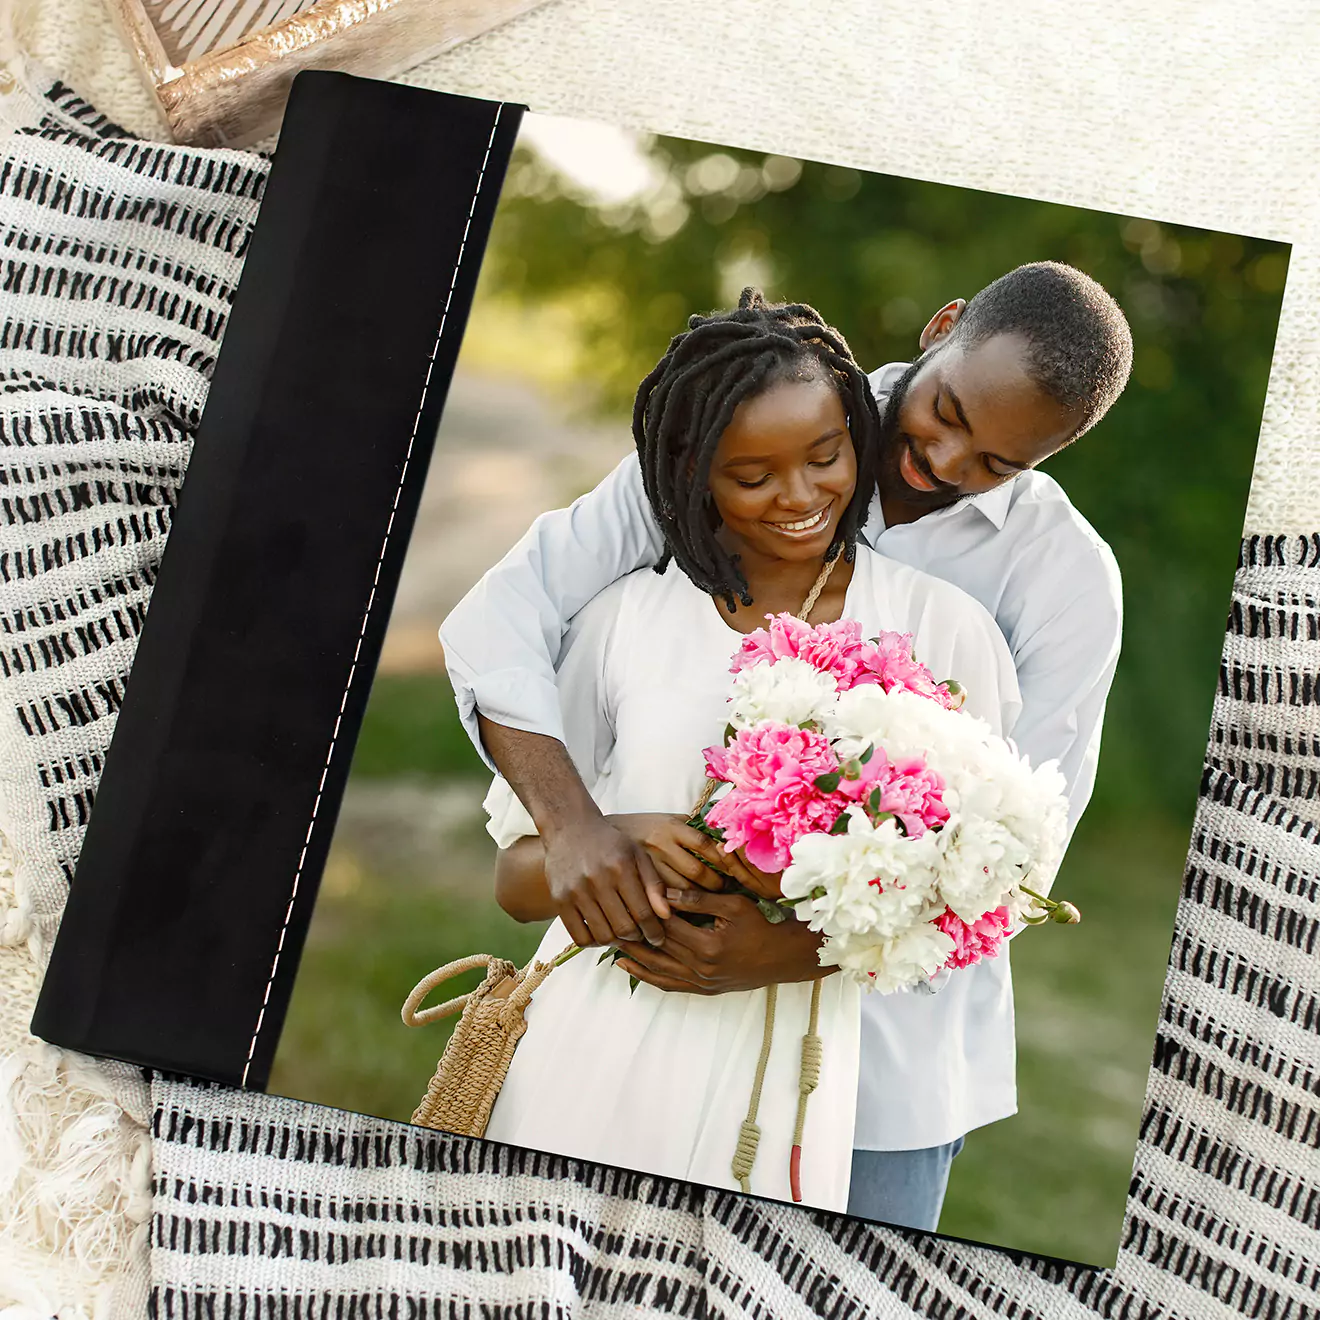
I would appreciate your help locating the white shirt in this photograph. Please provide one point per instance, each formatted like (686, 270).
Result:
(1022, 550)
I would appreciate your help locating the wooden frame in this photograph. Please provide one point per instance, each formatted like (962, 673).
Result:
(235, 95)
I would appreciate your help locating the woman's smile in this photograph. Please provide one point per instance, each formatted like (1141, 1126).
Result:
(803, 528)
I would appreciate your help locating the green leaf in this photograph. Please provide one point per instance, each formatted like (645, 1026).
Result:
(840, 826)
(828, 783)
(771, 911)
(702, 826)
(611, 954)
(632, 984)
(879, 817)
(729, 734)
(866, 755)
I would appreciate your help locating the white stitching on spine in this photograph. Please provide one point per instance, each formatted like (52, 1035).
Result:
(371, 600)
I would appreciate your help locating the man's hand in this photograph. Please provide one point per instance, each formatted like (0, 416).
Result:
(607, 875)
(604, 886)
(599, 882)
(764, 884)
(604, 878)
(741, 951)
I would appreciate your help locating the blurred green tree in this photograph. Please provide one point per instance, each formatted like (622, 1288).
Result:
(1164, 478)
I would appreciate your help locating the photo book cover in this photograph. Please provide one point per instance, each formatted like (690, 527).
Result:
(780, 764)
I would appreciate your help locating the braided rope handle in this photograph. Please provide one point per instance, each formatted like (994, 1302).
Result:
(749, 1133)
(413, 1018)
(528, 983)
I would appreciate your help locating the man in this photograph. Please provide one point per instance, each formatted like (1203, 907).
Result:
(1002, 382)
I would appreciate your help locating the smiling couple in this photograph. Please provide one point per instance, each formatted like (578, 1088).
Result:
(591, 668)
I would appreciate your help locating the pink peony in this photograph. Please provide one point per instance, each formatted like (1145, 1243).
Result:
(889, 661)
(786, 638)
(908, 789)
(773, 800)
(840, 649)
(979, 939)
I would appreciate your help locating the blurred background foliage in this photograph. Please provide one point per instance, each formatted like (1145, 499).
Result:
(1163, 478)
(583, 295)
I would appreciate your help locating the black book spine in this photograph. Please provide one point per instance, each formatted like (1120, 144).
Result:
(216, 808)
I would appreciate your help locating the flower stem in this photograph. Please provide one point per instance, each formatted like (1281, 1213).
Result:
(1065, 913)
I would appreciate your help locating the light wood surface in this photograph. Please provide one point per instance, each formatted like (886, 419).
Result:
(236, 96)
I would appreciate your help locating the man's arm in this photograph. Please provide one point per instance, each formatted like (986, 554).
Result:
(598, 881)
(502, 640)
(1065, 666)
(501, 644)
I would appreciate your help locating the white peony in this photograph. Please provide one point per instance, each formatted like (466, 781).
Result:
(980, 863)
(873, 880)
(885, 965)
(905, 724)
(790, 691)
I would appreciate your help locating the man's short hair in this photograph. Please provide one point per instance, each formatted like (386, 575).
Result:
(1080, 342)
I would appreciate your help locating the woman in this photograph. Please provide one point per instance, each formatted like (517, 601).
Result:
(757, 438)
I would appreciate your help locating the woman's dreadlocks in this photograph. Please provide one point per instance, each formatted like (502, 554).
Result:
(685, 404)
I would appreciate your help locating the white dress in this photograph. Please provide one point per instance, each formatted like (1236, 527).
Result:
(659, 1081)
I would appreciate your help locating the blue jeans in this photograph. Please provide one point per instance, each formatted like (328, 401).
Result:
(904, 1187)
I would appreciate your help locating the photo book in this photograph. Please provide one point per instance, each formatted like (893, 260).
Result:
(685, 658)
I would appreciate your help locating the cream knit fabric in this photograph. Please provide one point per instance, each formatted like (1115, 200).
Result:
(1200, 114)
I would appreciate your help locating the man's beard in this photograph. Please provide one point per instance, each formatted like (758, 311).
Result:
(892, 442)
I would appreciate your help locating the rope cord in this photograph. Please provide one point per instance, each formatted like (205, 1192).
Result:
(817, 587)
(749, 1135)
(813, 1050)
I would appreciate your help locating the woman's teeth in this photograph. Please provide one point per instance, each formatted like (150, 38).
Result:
(803, 524)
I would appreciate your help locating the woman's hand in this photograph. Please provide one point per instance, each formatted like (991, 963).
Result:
(764, 884)
(740, 951)
(685, 857)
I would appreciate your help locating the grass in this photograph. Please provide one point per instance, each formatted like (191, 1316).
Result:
(412, 728)
(373, 938)
(1052, 1179)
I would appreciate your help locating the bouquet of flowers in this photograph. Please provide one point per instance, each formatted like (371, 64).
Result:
(907, 832)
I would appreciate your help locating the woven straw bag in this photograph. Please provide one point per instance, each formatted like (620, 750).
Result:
(475, 1062)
